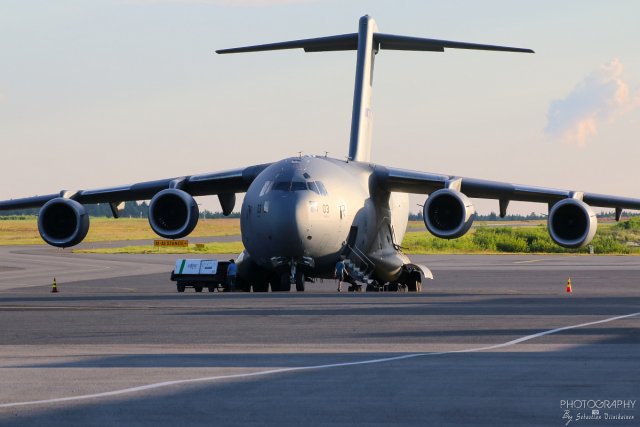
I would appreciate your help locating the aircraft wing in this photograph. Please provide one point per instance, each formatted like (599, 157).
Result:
(407, 181)
(226, 182)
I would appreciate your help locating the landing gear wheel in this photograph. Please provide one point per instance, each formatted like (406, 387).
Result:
(284, 285)
(241, 285)
(393, 287)
(371, 288)
(211, 288)
(198, 288)
(414, 284)
(300, 281)
(261, 286)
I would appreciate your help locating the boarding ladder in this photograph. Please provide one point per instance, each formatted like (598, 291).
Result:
(359, 265)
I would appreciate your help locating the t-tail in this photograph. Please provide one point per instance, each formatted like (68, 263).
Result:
(367, 42)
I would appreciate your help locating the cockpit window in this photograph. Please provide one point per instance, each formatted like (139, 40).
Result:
(282, 185)
(266, 187)
(321, 187)
(315, 186)
(298, 185)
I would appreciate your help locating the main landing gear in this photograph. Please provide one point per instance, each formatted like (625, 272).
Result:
(412, 283)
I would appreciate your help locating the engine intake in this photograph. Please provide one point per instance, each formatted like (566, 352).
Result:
(173, 213)
(63, 222)
(448, 213)
(572, 223)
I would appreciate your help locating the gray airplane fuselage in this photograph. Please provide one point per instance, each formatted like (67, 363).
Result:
(309, 210)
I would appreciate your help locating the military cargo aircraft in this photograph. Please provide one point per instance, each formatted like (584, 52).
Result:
(301, 215)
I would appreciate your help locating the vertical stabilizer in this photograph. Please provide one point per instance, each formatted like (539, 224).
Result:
(367, 41)
(362, 116)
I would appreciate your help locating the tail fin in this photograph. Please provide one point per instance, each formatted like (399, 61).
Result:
(367, 41)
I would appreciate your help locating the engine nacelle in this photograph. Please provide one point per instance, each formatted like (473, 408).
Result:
(572, 223)
(448, 213)
(63, 222)
(173, 213)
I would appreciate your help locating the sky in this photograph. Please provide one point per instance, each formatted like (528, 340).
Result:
(110, 92)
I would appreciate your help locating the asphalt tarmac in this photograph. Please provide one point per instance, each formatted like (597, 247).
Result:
(492, 341)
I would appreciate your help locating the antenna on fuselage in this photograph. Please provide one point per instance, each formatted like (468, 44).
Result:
(368, 42)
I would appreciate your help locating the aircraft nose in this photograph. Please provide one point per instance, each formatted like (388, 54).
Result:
(290, 224)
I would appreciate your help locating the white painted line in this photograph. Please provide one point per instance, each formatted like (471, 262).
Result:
(528, 261)
(307, 368)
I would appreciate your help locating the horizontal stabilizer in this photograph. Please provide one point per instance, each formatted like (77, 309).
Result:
(380, 41)
(393, 42)
(320, 44)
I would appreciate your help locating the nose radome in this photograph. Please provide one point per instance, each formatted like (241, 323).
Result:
(290, 224)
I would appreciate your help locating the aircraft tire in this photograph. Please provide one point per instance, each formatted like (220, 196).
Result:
(414, 284)
(300, 282)
(285, 283)
(281, 283)
(198, 288)
(241, 285)
(261, 286)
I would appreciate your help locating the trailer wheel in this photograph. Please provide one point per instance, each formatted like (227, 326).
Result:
(198, 288)
(181, 288)
(211, 288)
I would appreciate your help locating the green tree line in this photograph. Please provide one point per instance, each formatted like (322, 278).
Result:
(131, 210)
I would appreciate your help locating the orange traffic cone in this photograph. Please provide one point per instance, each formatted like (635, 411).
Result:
(569, 285)
(54, 288)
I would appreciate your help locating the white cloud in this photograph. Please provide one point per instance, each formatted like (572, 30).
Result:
(600, 98)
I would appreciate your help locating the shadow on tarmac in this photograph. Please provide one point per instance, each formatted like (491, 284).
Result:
(473, 389)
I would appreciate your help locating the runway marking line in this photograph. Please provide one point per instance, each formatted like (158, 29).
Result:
(309, 368)
(528, 261)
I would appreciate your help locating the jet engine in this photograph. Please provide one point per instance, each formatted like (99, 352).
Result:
(173, 213)
(572, 223)
(448, 213)
(63, 222)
